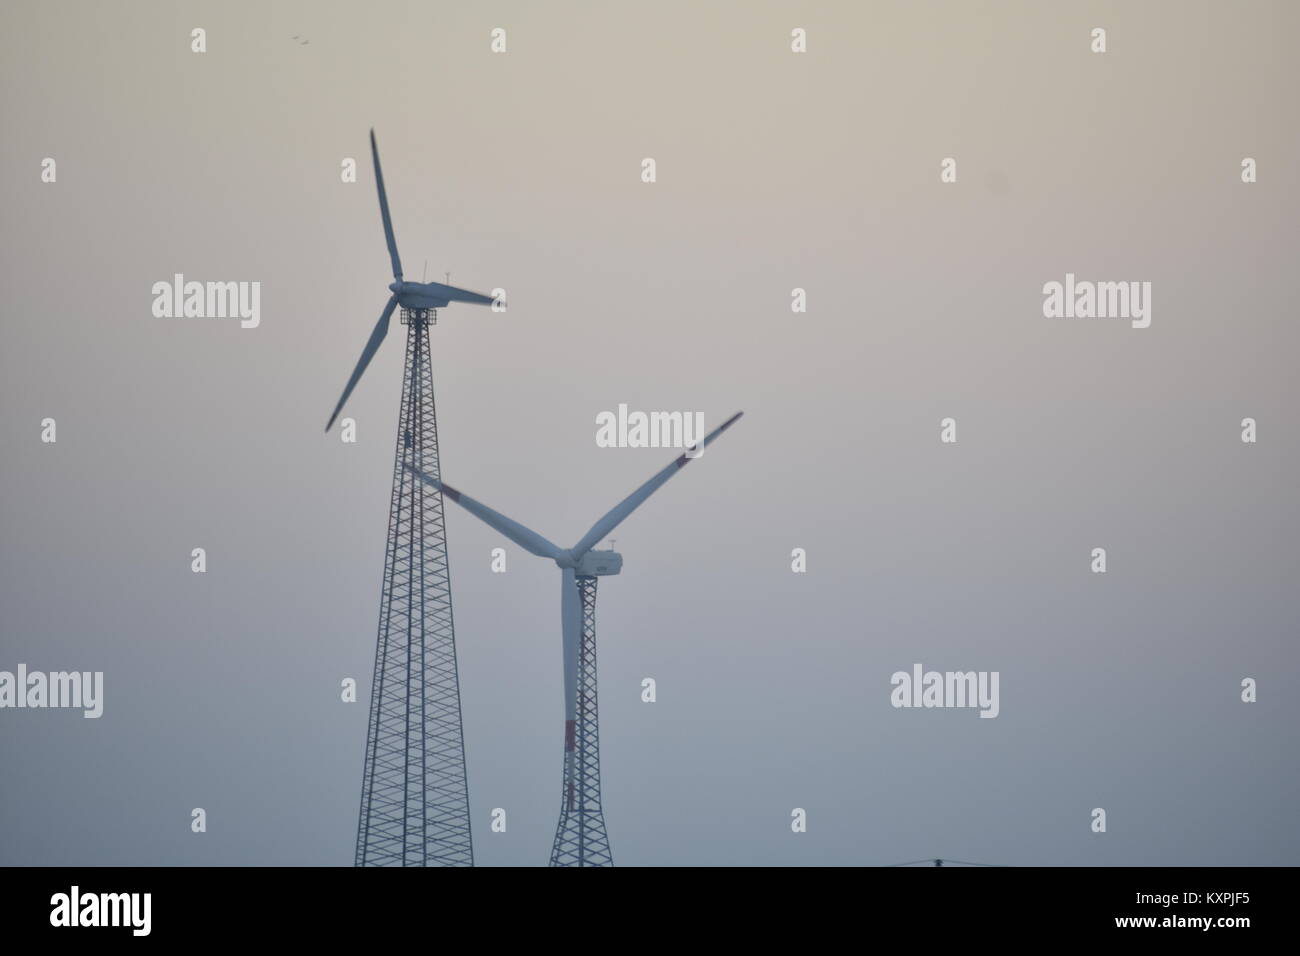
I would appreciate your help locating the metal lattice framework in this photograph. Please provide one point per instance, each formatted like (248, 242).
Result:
(414, 794)
(580, 839)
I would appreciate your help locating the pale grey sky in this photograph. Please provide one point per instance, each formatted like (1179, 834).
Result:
(775, 171)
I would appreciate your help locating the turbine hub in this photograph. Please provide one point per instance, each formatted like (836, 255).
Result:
(396, 287)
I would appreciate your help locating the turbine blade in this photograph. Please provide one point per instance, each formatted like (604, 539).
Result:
(372, 346)
(526, 538)
(383, 211)
(571, 619)
(629, 504)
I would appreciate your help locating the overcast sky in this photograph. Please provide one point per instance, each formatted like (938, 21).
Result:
(775, 171)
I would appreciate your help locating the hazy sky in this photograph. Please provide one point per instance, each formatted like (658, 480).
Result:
(775, 170)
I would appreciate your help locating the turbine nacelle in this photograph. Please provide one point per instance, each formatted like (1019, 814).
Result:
(413, 295)
(592, 564)
(433, 295)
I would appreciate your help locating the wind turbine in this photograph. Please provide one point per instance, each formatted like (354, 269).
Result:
(414, 297)
(580, 838)
(414, 792)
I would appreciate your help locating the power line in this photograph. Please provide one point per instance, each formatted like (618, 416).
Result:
(936, 861)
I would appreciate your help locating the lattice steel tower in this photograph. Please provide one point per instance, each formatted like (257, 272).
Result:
(580, 839)
(414, 796)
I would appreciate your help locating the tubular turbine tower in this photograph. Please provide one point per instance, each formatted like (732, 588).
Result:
(414, 795)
